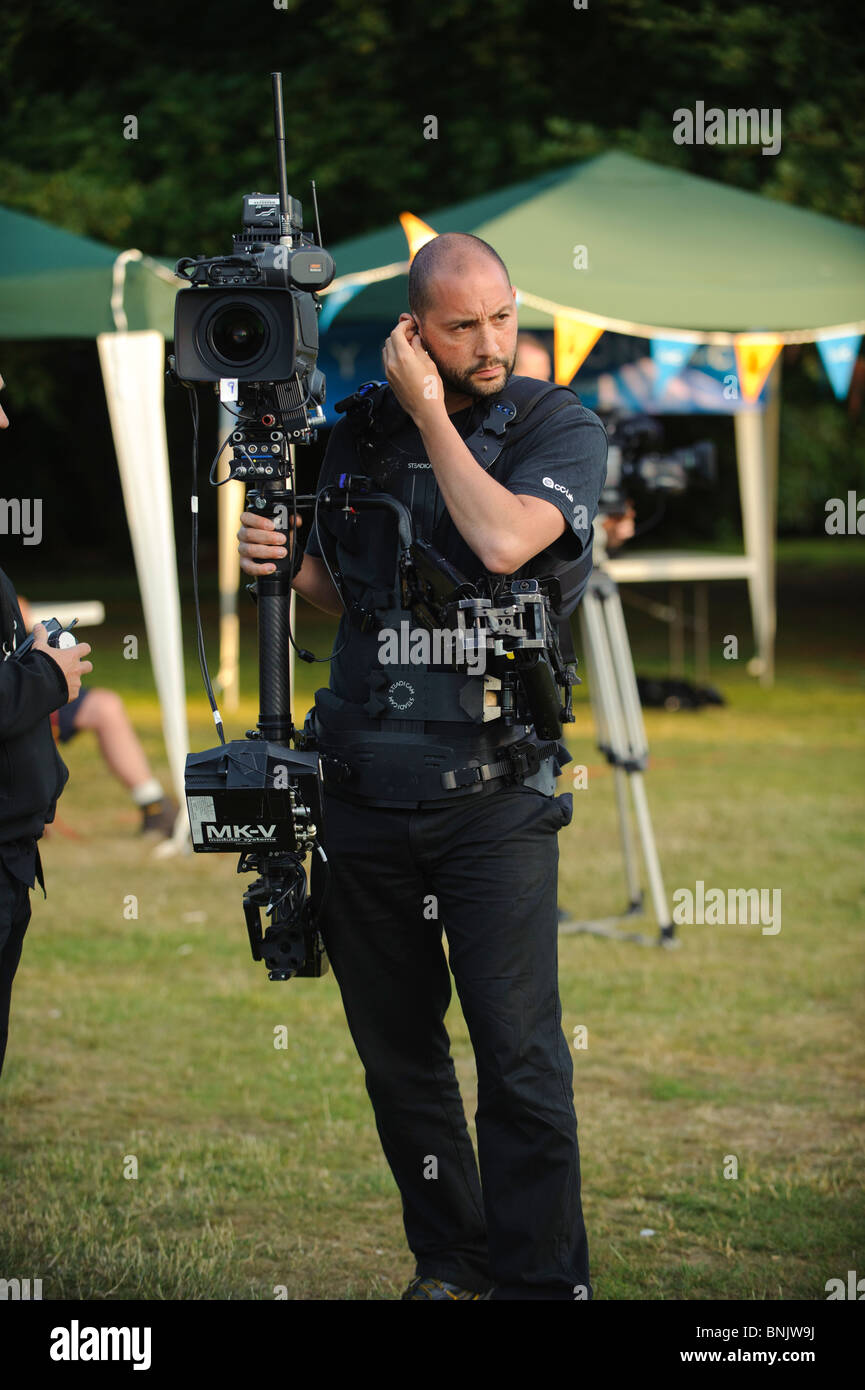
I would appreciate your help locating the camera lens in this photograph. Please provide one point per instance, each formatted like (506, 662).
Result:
(238, 333)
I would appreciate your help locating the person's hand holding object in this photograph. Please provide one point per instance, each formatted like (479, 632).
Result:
(260, 540)
(69, 659)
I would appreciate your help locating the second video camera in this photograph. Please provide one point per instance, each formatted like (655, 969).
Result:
(637, 462)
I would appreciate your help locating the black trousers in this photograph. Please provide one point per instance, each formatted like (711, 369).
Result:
(485, 870)
(14, 917)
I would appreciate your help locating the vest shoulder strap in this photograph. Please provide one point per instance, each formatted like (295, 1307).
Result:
(524, 404)
(373, 412)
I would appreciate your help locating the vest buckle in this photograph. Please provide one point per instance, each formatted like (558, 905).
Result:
(524, 758)
(362, 618)
(461, 777)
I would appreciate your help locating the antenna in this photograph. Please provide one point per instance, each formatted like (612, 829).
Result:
(318, 240)
(279, 131)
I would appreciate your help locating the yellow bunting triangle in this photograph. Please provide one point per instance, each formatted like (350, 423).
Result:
(755, 355)
(574, 341)
(417, 233)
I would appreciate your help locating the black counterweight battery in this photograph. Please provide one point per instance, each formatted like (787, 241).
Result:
(253, 794)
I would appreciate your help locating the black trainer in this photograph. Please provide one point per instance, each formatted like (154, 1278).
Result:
(426, 1286)
(159, 816)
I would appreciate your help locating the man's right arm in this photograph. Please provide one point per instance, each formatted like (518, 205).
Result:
(315, 584)
(259, 538)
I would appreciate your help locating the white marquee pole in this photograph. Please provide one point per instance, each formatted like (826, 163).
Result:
(133, 367)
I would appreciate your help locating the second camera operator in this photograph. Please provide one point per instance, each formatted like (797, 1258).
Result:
(32, 773)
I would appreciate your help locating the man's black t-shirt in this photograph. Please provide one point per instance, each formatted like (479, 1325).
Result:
(562, 461)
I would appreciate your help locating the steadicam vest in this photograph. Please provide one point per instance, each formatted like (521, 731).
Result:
(408, 758)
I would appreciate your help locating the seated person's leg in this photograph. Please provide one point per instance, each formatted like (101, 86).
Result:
(102, 711)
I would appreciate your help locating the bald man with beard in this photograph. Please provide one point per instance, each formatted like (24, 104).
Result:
(409, 859)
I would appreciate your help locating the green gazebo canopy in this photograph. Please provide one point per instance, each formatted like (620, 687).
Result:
(664, 249)
(54, 284)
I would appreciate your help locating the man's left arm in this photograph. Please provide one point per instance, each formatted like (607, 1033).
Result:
(504, 526)
(553, 490)
(562, 466)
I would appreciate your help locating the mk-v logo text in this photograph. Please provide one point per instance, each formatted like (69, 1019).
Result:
(240, 832)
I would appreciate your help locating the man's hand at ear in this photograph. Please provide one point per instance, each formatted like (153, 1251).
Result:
(412, 374)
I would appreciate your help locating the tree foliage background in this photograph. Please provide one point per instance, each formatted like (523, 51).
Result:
(517, 87)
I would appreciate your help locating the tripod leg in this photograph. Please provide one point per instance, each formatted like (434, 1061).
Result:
(627, 735)
(632, 877)
(611, 723)
(592, 632)
(650, 855)
(623, 664)
(607, 706)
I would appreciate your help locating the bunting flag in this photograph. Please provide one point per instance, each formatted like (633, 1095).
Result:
(334, 302)
(755, 357)
(574, 341)
(669, 355)
(839, 358)
(417, 233)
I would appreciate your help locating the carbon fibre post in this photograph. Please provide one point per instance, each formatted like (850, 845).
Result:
(274, 590)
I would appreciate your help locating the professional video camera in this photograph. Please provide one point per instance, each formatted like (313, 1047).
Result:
(262, 328)
(636, 463)
(249, 323)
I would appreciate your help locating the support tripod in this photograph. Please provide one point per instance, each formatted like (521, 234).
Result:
(621, 737)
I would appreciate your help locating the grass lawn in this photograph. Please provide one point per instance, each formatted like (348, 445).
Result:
(152, 1037)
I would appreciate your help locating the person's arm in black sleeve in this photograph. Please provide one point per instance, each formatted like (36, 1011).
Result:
(31, 687)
